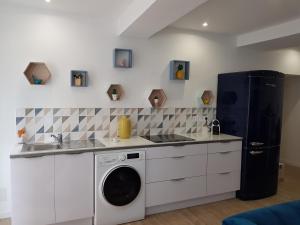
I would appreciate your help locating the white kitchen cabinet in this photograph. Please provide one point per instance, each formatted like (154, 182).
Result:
(175, 167)
(223, 182)
(224, 162)
(160, 193)
(176, 151)
(74, 186)
(33, 191)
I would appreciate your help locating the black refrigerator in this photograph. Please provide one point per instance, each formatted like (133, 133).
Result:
(249, 105)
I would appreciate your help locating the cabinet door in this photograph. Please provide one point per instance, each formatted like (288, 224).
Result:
(73, 186)
(33, 191)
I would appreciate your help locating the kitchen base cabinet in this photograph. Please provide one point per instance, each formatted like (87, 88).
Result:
(223, 182)
(176, 190)
(191, 174)
(33, 191)
(74, 186)
(53, 189)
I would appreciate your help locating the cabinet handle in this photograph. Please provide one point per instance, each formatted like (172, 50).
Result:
(179, 179)
(35, 156)
(224, 153)
(178, 157)
(225, 173)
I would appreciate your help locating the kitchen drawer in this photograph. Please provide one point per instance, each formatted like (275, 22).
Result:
(223, 182)
(174, 151)
(175, 167)
(224, 146)
(224, 162)
(165, 192)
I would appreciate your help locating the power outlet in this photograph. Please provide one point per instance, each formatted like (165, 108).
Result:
(3, 195)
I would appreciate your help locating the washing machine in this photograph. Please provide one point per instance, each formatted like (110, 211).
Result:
(119, 187)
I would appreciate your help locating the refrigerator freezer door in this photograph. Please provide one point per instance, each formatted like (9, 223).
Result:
(260, 173)
(265, 111)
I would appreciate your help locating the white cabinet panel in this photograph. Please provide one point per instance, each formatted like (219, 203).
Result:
(74, 186)
(175, 167)
(223, 182)
(173, 191)
(224, 162)
(174, 151)
(33, 191)
(225, 146)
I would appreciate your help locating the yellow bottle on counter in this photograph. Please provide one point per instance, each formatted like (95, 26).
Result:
(124, 128)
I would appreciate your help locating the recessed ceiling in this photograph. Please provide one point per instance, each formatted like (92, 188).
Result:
(92, 8)
(239, 16)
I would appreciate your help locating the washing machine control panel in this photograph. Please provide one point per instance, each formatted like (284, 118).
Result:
(110, 159)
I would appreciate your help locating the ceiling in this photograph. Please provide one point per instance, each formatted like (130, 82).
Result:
(102, 9)
(239, 16)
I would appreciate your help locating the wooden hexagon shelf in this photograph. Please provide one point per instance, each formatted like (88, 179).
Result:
(37, 73)
(115, 92)
(157, 98)
(207, 97)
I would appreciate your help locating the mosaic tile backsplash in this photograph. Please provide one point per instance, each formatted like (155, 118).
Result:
(97, 123)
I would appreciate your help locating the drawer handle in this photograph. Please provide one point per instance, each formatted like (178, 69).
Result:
(224, 153)
(177, 180)
(178, 157)
(225, 173)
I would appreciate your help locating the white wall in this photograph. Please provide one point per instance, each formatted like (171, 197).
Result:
(66, 43)
(291, 122)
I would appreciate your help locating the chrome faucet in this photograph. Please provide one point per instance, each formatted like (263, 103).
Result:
(58, 138)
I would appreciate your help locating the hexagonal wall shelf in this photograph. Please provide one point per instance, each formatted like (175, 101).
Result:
(115, 92)
(157, 98)
(37, 73)
(207, 97)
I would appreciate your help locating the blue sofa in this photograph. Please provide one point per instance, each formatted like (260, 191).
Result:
(283, 214)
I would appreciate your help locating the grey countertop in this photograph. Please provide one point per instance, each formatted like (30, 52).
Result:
(132, 143)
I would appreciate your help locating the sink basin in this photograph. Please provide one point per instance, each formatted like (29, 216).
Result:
(80, 144)
(40, 147)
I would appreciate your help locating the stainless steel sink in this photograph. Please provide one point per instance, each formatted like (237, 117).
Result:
(80, 144)
(40, 147)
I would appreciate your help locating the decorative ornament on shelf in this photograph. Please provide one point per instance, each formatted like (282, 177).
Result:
(157, 98)
(115, 92)
(122, 58)
(79, 78)
(207, 97)
(180, 72)
(37, 73)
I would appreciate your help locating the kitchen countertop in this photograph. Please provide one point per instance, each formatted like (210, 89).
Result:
(132, 143)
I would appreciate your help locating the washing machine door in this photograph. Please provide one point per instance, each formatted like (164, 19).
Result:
(121, 186)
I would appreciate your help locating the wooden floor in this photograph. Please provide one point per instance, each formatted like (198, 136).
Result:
(214, 213)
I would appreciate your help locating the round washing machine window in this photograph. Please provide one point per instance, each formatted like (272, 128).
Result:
(121, 186)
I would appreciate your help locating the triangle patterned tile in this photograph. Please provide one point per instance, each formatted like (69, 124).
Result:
(19, 120)
(97, 110)
(40, 130)
(75, 129)
(50, 130)
(29, 112)
(38, 112)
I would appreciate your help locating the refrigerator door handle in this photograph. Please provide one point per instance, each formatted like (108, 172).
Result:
(256, 144)
(256, 152)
